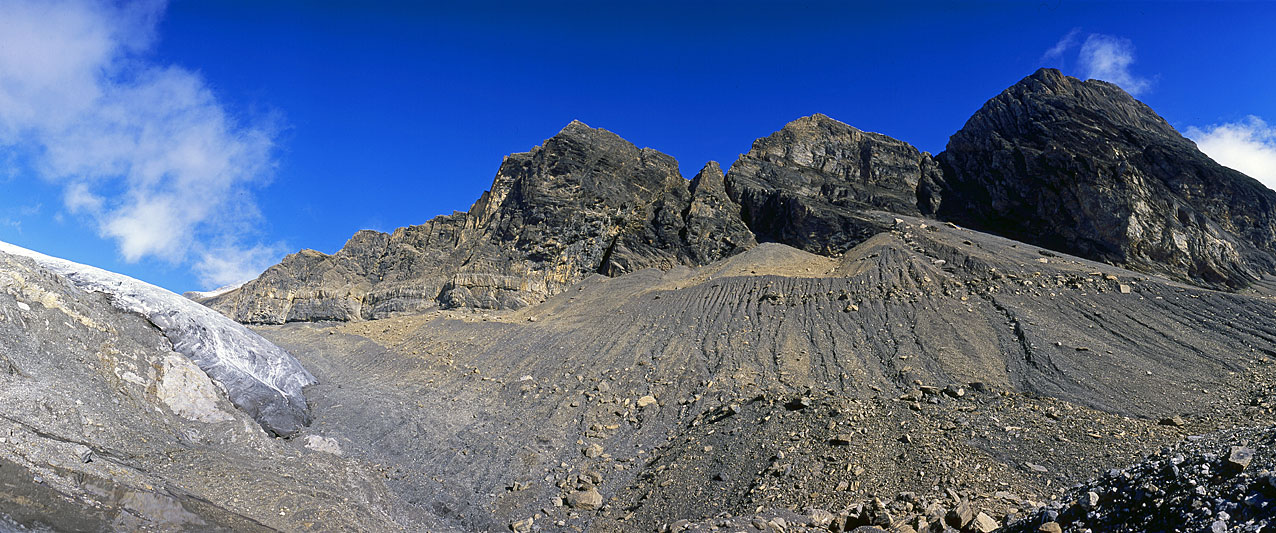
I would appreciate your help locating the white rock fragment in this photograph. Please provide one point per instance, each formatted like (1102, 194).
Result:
(187, 391)
(323, 444)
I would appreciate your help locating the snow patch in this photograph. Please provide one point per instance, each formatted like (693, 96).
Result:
(260, 378)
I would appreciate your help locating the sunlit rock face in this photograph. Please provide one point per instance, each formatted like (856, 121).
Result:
(1084, 168)
(812, 184)
(258, 377)
(584, 202)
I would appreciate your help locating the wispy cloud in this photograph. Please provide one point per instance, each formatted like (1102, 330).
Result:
(1248, 146)
(144, 150)
(233, 264)
(1101, 57)
(1067, 42)
(1108, 58)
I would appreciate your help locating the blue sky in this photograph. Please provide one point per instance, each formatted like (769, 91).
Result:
(194, 143)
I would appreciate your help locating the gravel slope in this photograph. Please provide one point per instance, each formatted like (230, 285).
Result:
(1065, 366)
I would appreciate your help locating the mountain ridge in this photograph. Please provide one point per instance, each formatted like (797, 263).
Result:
(587, 201)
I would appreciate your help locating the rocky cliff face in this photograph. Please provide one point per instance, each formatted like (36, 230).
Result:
(1078, 167)
(810, 184)
(1084, 168)
(584, 202)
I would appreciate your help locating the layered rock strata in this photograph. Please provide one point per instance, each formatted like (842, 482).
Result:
(810, 184)
(584, 202)
(1084, 168)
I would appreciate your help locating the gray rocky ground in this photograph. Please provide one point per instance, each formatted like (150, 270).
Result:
(779, 380)
(105, 426)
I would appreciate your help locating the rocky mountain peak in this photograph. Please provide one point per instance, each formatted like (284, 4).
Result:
(810, 184)
(585, 201)
(576, 126)
(709, 179)
(1042, 102)
(1075, 166)
(579, 133)
(1048, 79)
(1084, 168)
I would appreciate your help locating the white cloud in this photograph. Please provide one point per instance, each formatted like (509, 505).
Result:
(1068, 41)
(1108, 58)
(1248, 146)
(232, 265)
(1101, 57)
(146, 151)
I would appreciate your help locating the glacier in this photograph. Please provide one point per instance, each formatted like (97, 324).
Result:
(260, 378)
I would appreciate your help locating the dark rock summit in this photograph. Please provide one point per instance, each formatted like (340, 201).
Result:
(1077, 167)
(1084, 168)
(584, 202)
(714, 228)
(809, 184)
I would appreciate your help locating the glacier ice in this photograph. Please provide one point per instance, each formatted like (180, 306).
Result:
(260, 378)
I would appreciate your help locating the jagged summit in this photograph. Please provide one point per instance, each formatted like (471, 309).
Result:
(579, 130)
(1084, 168)
(810, 184)
(1094, 103)
(585, 201)
(1075, 166)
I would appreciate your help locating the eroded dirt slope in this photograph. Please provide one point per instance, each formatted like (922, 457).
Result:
(927, 359)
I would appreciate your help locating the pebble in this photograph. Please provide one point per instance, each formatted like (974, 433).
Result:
(984, 523)
(1050, 527)
(1240, 457)
(585, 499)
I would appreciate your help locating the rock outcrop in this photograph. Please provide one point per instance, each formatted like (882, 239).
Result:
(1084, 168)
(1078, 167)
(810, 184)
(257, 376)
(122, 409)
(584, 202)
